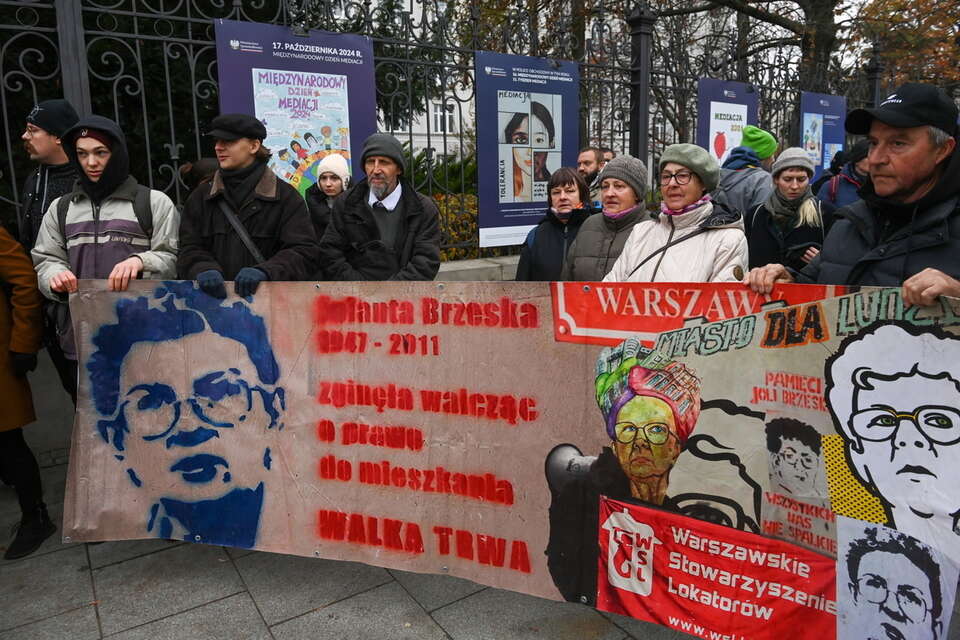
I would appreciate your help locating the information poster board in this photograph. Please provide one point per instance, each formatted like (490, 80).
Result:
(741, 466)
(314, 94)
(821, 127)
(527, 115)
(724, 108)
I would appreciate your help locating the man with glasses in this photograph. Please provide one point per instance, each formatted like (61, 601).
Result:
(893, 391)
(895, 590)
(794, 448)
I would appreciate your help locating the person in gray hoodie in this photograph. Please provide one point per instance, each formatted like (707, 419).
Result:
(745, 176)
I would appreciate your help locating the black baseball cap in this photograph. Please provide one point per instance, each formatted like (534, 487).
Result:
(233, 126)
(913, 104)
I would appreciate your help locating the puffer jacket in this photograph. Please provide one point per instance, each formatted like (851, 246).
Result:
(743, 184)
(98, 237)
(716, 250)
(598, 245)
(545, 248)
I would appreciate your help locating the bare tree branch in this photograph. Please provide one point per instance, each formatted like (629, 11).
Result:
(666, 13)
(762, 14)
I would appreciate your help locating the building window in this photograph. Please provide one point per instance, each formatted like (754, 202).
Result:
(443, 118)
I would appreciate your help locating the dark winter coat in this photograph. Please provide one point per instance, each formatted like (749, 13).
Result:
(351, 248)
(767, 244)
(545, 248)
(42, 186)
(881, 243)
(744, 184)
(319, 207)
(21, 327)
(841, 189)
(598, 245)
(276, 219)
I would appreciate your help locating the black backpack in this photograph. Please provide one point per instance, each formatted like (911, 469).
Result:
(141, 209)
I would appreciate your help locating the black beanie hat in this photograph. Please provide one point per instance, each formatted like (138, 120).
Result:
(384, 144)
(53, 116)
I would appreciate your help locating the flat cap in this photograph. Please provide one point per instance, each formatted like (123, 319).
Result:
(233, 126)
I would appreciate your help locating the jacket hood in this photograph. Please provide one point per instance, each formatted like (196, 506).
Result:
(731, 178)
(947, 187)
(741, 158)
(118, 167)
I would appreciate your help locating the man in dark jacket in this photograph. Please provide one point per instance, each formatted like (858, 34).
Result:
(906, 229)
(381, 229)
(267, 210)
(54, 177)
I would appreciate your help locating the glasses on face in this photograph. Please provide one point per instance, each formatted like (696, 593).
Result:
(911, 600)
(940, 425)
(682, 177)
(653, 432)
(791, 457)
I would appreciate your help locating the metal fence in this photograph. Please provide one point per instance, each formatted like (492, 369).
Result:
(151, 65)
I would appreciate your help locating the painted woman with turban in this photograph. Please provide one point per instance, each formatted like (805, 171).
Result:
(650, 407)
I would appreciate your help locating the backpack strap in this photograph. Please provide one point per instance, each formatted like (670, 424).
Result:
(832, 189)
(143, 210)
(63, 204)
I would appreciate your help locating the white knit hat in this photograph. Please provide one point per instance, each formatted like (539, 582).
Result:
(336, 164)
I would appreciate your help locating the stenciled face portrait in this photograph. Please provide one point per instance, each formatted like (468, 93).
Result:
(646, 444)
(183, 430)
(795, 467)
(892, 598)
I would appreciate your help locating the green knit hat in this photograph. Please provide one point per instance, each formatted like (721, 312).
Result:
(759, 140)
(697, 160)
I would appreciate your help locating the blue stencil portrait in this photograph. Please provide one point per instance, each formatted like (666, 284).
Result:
(185, 385)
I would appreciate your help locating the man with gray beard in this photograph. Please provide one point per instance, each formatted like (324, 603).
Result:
(382, 229)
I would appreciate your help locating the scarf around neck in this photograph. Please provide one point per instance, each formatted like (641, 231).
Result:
(687, 209)
(616, 215)
(783, 210)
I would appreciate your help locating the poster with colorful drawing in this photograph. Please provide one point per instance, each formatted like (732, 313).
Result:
(698, 471)
(724, 109)
(314, 93)
(822, 132)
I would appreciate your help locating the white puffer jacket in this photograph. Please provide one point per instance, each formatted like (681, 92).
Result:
(717, 253)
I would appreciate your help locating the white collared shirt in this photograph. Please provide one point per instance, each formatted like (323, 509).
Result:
(390, 202)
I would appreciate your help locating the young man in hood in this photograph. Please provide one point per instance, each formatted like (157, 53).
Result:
(382, 229)
(906, 229)
(268, 210)
(745, 181)
(99, 233)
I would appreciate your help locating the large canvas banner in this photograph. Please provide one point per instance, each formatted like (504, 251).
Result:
(698, 472)
(527, 115)
(313, 93)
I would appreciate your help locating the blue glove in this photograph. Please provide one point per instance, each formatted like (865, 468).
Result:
(247, 281)
(211, 283)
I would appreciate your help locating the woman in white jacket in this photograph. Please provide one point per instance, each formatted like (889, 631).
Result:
(694, 239)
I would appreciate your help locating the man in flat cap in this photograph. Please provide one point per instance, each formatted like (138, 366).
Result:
(245, 225)
(905, 231)
(381, 229)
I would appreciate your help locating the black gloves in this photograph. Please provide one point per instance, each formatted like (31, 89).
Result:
(22, 363)
(247, 281)
(211, 283)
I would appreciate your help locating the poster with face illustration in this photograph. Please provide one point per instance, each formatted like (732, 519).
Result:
(682, 453)
(526, 130)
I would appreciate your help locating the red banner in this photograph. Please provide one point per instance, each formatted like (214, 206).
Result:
(606, 313)
(711, 581)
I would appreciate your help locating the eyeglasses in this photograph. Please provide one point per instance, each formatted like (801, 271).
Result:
(682, 177)
(791, 457)
(940, 425)
(653, 432)
(911, 600)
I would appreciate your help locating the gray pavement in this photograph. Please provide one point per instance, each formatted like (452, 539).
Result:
(158, 590)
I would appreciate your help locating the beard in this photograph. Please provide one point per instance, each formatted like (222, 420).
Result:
(380, 189)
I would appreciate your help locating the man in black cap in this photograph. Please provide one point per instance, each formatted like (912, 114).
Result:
(54, 177)
(381, 229)
(906, 229)
(245, 225)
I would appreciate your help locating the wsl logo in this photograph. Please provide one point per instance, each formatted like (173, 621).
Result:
(234, 44)
(630, 549)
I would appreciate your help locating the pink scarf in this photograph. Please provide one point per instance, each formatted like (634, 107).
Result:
(690, 207)
(616, 215)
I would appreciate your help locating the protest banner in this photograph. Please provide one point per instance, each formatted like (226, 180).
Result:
(724, 108)
(527, 118)
(821, 127)
(447, 428)
(313, 93)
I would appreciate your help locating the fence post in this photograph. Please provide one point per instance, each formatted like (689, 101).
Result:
(641, 21)
(73, 55)
(874, 72)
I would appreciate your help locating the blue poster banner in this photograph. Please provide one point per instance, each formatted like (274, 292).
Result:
(313, 93)
(821, 127)
(527, 118)
(724, 108)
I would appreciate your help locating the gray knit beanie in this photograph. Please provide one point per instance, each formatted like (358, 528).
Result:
(383, 144)
(631, 171)
(793, 158)
(695, 158)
